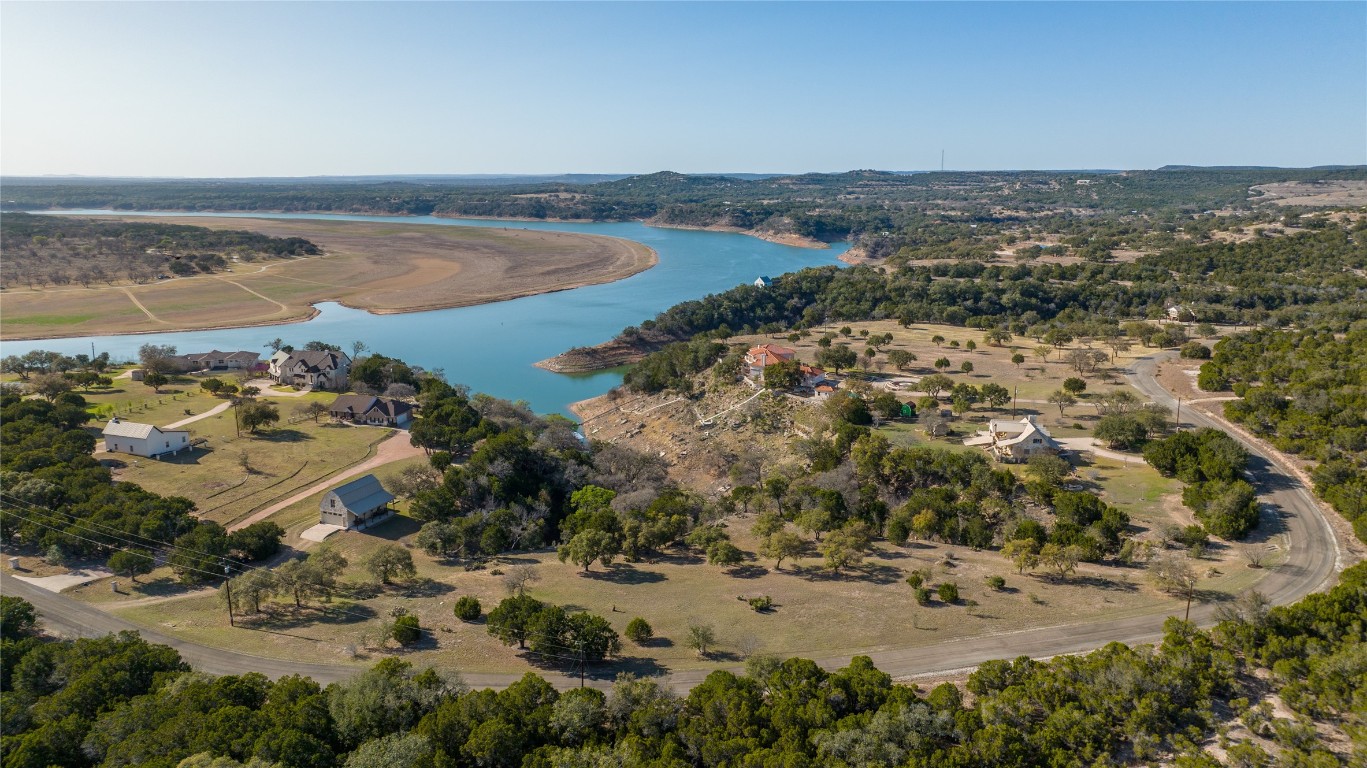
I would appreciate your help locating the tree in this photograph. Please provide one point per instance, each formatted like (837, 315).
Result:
(1023, 553)
(700, 637)
(725, 554)
(995, 395)
(1074, 385)
(900, 358)
(254, 415)
(158, 358)
(467, 608)
(244, 593)
(937, 340)
(257, 541)
(934, 384)
(50, 385)
(997, 336)
(639, 631)
(838, 357)
(782, 376)
(389, 561)
(971, 345)
(314, 576)
(511, 620)
(17, 617)
(406, 629)
(782, 545)
(1120, 431)
(846, 547)
(1062, 560)
(966, 366)
(131, 563)
(941, 363)
(1048, 469)
(313, 409)
(948, 592)
(589, 546)
(517, 577)
(155, 380)
(1017, 359)
(1173, 572)
(1063, 400)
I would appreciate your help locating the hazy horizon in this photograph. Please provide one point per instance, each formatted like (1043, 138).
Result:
(297, 90)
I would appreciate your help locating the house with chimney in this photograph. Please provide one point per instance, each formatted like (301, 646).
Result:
(311, 369)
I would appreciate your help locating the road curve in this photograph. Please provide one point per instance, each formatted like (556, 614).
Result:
(1314, 558)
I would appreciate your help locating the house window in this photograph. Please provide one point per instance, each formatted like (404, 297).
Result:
(1036, 441)
(332, 503)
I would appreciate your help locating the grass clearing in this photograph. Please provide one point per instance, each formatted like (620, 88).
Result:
(236, 474)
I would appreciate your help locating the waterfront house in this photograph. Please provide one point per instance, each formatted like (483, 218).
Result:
(375, 411)
(311, 369)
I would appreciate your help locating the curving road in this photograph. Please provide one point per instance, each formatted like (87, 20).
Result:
(1314, 558)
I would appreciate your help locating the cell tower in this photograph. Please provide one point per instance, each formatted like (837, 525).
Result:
(942, 161)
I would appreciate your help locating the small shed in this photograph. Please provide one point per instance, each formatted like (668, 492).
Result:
(357, 505)
(763, 281)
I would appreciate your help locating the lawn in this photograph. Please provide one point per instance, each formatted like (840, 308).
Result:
(236, 474)
(815, 613)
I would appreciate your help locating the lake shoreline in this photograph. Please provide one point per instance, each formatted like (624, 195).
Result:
(633, 258)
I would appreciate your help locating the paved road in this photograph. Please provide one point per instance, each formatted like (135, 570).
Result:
(1314, 558)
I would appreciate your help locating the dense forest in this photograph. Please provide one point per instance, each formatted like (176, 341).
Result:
(119, 701)
(59, 250)
(1305, 391)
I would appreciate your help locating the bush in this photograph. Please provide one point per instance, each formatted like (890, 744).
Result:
(639, 630)
(948, 592)
(922, 596)
(761, 604)
(1195, 350)
(467, 608)
(997, 583)
(916, 579)
(406, 630)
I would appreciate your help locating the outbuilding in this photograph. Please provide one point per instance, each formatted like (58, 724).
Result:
(143, 439)
(357, 505)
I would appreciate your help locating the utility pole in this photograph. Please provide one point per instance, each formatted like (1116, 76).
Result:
(942, 161)
(581, 662)
(228, 584)
(1179, 414)
(1014, 392)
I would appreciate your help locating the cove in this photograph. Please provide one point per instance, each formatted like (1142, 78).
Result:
(492, 347)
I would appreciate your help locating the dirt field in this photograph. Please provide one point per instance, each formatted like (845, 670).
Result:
(1327, 193)
(380, 267)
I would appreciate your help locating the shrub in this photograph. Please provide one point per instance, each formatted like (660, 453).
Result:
(916, 579)
(922, 596)
(948, 592)
(639, 630)
(997, 583)
(761, 604)
(406, 630)
(467, 608)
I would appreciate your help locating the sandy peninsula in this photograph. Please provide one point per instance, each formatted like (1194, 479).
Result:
(380, 267)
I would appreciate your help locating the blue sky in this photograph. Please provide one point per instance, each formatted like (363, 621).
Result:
(286, 89)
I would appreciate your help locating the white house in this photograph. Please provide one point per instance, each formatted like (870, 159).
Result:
(1014, 441)
(143, 439)
(359, 504)
(311, 369)
(763, 281)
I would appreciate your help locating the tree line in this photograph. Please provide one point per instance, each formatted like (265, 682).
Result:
(118, 700)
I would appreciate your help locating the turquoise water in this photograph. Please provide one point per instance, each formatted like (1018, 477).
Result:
(491, 347)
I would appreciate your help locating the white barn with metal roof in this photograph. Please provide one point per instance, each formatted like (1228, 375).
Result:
(361, 503)
(143, 439)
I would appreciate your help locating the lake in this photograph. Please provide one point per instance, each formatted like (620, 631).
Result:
(492, 347)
